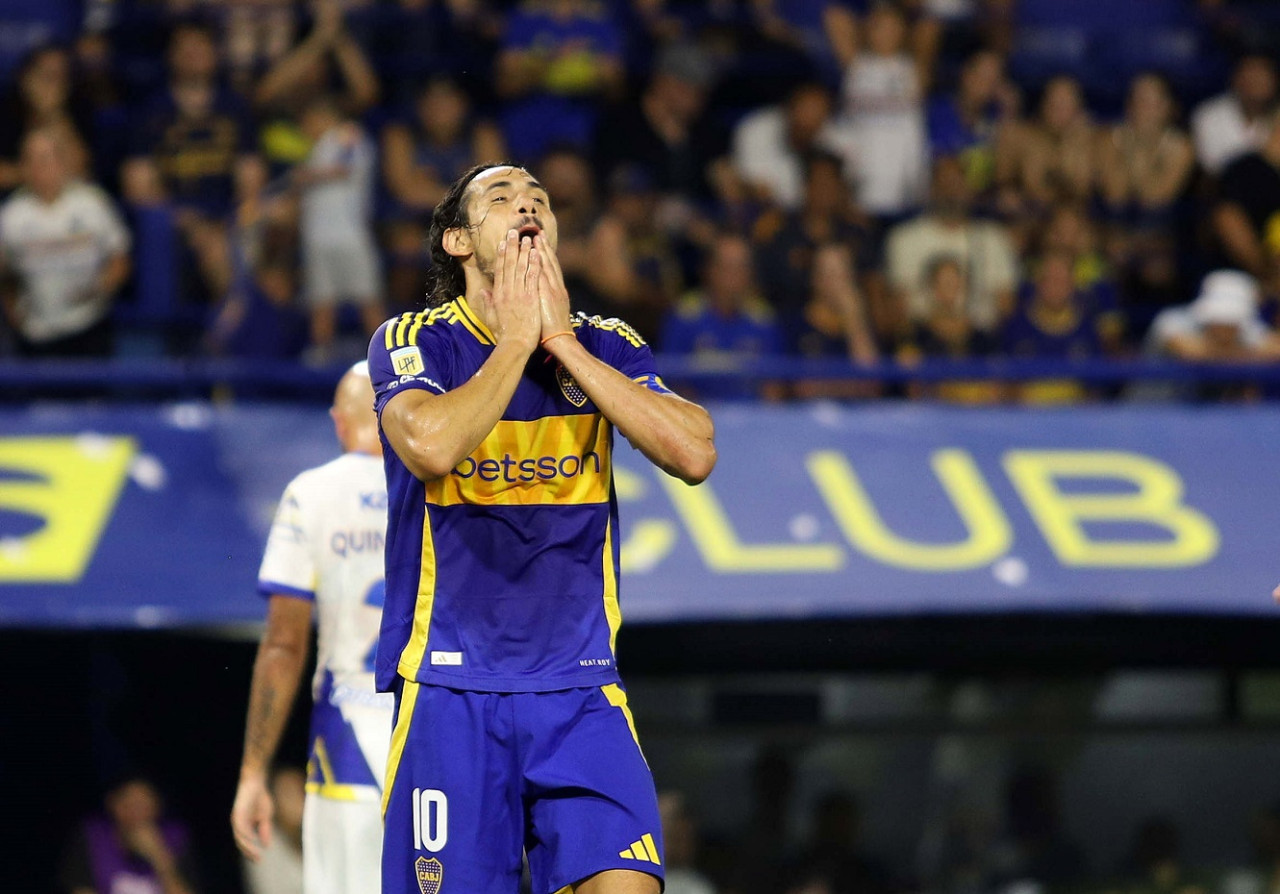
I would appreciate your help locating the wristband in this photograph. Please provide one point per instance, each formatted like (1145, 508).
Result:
(543, 343)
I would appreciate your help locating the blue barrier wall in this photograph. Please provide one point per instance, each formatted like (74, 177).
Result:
(155, 516)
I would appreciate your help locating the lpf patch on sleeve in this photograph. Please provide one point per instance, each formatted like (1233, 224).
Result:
(407, 361)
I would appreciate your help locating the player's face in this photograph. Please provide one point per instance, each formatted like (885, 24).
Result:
(502, 199)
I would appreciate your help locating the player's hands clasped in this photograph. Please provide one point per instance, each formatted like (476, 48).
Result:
(514, 300)
(251, 816)
(553, 295)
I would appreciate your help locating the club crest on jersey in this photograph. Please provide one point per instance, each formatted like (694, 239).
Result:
(407, 361)
(572, 392)
(430, 873)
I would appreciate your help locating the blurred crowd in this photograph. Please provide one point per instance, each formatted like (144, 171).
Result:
(782, 846)
(866, 180)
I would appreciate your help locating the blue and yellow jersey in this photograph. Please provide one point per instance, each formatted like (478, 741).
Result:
(502, 576)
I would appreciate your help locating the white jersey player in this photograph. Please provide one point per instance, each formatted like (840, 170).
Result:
(326, 550)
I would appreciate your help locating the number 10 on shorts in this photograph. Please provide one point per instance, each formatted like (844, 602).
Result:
(430, 819)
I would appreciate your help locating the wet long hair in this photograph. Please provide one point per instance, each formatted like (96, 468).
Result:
(445, 279)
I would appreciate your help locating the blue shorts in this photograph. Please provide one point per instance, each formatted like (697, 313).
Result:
(476, 778)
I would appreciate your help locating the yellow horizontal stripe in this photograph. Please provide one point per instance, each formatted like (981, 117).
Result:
(325, 786)
(335, 791)
(556, 460)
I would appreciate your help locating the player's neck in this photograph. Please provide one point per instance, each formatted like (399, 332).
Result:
(479, 299)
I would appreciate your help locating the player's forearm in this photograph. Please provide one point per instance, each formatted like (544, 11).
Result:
(676, 435)
(435, 433)
(276, 675)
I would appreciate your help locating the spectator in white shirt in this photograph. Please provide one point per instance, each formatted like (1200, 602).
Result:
(1222, 325)
(882, 124)
(64, 254)
(339, 255)
(1238, 121)
(770, 144)
(984, 248)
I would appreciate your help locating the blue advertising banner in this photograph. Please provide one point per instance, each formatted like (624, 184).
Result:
(155, 516)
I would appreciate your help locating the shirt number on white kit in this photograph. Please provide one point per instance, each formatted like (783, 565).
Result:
(430, 819)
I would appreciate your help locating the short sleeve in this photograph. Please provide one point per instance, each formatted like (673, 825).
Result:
(289, 565)
(620, 346)
(407, 353)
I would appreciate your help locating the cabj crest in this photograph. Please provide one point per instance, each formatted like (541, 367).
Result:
(572, 392)
(430, 874)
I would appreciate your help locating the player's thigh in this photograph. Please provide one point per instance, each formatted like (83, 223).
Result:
(341, 846)
(453, 810)
(589, 793)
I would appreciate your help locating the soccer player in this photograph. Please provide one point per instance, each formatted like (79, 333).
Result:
(325, 551)
(497, 407)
